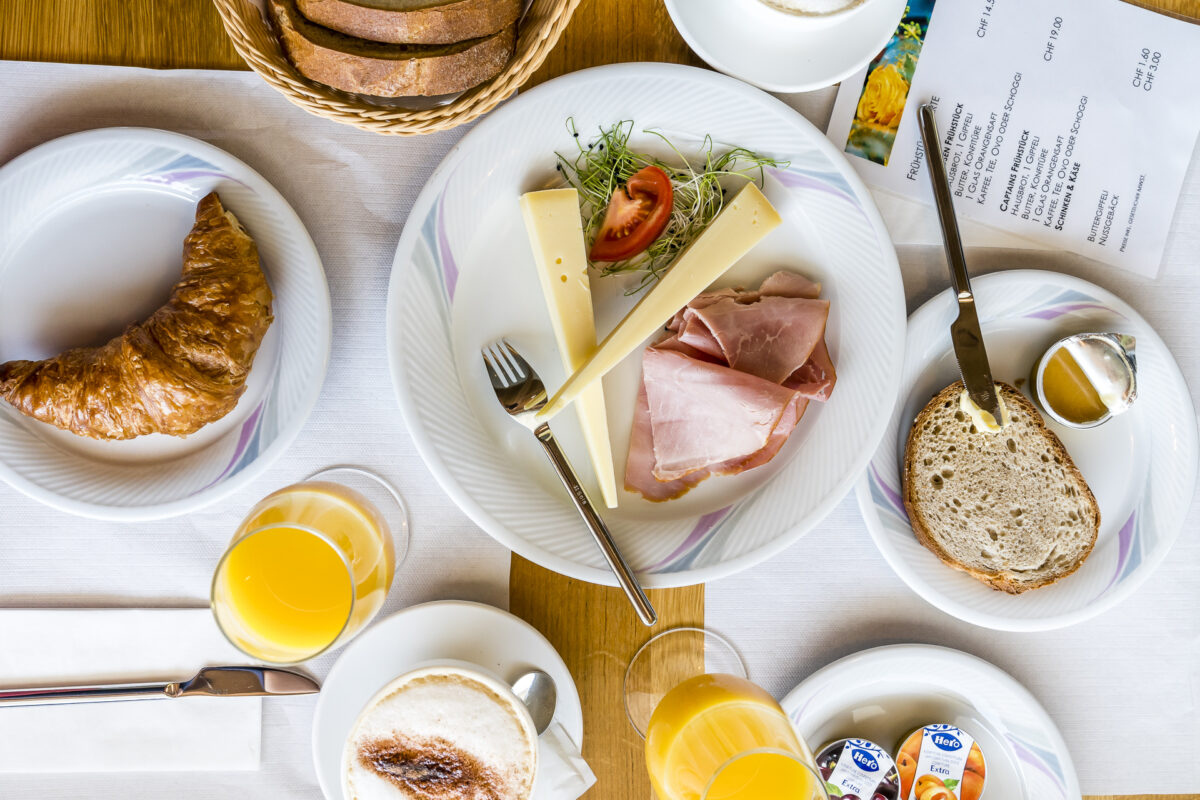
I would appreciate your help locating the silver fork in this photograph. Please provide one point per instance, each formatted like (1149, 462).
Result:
(521, 392)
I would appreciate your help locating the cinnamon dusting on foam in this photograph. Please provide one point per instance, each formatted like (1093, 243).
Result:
(431, 769)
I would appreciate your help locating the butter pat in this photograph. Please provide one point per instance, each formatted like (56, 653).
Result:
(556, 235)
(743, 224)
(983, 420)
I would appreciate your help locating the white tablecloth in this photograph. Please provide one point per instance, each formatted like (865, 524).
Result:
(1114, 684)
(353, 191)
(1124, 687)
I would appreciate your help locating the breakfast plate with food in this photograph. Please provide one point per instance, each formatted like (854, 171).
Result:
(706, 289)
(942, 722)
(1069, 506)
(164, 323)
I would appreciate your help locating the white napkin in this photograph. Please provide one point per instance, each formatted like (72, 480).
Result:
(908, 221)
(48, 647)
(562, 774)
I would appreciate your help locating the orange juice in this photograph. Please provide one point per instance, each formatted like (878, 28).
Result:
(311, 564)
(704, 723)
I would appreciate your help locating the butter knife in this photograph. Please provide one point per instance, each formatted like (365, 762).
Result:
(964, 331)
(209, 682)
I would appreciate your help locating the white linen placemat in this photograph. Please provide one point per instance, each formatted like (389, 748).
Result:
(88, 647)
(353, 190)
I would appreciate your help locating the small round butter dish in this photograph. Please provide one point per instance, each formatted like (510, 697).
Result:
(1087, 379)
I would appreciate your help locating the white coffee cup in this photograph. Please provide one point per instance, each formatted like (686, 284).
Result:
(445, 723)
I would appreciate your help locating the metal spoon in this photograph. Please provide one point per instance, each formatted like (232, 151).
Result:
(536, 690)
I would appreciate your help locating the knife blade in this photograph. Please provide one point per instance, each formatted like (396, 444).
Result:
(965, 333)
(208, 682)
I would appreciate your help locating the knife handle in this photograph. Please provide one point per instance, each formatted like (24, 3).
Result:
(87, 694)
(943, 199)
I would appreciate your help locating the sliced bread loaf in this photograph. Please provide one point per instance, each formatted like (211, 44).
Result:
(387, 70)
(1008, 508)
(413, 21)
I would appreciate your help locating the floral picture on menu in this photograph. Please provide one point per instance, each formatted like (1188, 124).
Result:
(885, 90)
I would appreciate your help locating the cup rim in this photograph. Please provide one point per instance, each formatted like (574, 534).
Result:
(212, 593)
(477, 672)
(819, 782)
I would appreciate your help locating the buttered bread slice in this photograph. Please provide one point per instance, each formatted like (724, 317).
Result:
(1009, 508)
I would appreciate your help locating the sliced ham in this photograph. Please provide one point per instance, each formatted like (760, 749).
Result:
(815, 379)
(702, 414)
(770, 338)
(639, 467)
(789, 284)
(725, 387)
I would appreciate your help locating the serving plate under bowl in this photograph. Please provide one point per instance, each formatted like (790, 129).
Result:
(781, 52)
(464, 275)
(1141, 465)
(91, 239)
(884, 693)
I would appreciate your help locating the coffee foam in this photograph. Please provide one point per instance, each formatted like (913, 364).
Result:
(441, 733)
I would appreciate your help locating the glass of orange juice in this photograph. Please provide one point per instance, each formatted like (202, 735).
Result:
(712, 734)
(310, 565)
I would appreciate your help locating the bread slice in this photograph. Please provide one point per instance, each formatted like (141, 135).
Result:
(413, 21)
(387, 70)
(1008, 508)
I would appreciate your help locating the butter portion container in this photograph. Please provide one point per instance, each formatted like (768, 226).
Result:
(941, 762)
(858, 769)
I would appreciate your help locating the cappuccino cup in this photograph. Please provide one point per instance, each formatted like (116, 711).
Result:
(446, 730)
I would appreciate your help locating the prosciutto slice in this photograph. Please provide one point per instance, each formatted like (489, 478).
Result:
(725, 387)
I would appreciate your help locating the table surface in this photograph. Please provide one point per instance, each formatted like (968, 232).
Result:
(592, 627)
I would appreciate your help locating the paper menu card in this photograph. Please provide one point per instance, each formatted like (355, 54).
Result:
(1067, 122)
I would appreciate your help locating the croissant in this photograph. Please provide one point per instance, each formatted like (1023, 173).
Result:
(180, 369)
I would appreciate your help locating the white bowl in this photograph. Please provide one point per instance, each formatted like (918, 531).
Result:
(781, 52)
(885, 693)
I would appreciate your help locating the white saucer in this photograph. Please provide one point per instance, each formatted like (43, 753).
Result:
(885, 693)
(449, 629)
(780, 52)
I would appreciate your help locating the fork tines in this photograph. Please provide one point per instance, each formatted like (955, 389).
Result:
(505, 365)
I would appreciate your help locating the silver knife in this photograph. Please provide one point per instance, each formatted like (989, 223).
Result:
(209, 682)
(964, 331)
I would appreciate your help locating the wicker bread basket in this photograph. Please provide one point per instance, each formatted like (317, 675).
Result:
(254, 40)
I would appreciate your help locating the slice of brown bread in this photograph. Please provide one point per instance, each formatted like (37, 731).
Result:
(1008, 508)
(387, 70)
(413, 21)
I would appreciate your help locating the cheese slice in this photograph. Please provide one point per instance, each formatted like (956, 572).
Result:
(740, 226)
(556, 234)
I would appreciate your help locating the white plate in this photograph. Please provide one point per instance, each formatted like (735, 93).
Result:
(780, 52)
(91, 236)
(451, 629)
(1141, 466)
(464, 275)
(885, 693)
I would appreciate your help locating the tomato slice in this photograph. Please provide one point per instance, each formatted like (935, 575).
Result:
(636, 216)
